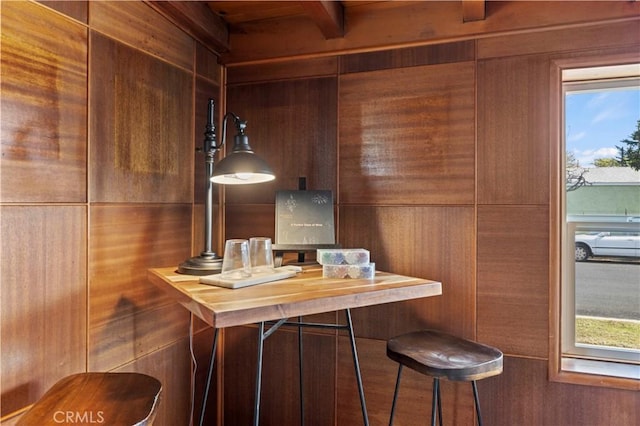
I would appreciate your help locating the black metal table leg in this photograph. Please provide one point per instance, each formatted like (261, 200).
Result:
(261, 337)
(209, 375)
(356, 364)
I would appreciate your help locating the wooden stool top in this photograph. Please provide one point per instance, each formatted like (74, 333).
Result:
(439, 354)
(114, 399)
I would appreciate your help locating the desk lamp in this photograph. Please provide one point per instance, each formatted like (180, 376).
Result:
(239, 167)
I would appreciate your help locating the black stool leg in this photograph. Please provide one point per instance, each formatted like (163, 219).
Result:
(477, 401)
(395, 395)
(435, 402)
(439, 404)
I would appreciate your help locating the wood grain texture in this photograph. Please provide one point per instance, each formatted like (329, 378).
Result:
(434, 242)
(473, 10)
(386, 25)
(124, 338)
(112, 398)
(603, 36)
(293, 126)
(141, 126)
(43, 297)
(197, 20)
(250, 220)
(513, 279)
(327, 15)
(296, 68)
(137, 24)
(125, 241)
(44, 98)
(75, 9)
(306, 293)
(536, 401)
(171, 365)
(405, 134)
(513, 130)
(379, 375)
(408, 57)
(207, 65)
(280, 392)
(443, 355)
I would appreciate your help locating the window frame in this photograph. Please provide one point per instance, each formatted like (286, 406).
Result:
(570, 348)
(573, 369)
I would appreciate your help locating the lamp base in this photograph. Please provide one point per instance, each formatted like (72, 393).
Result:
(201, 265)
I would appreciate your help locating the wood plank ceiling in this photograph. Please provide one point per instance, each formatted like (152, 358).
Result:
(212, 21)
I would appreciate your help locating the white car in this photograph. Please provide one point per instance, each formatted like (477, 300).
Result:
(614, 243)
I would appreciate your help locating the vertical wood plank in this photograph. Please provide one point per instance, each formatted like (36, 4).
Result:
(280, 391)
(137, 24)
(291, 125)
(431, 242)
(408, 57)
(296, 68)
(605, 36)
(44, 98)
(534, 400)
(245, 221)
(126, 240)
(207, 65)
(141, 126)
(407, 136)
(513, 131)
(43, 308)
(513, 279)
(171, 365)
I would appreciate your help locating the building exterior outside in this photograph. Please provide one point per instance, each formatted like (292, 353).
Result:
(611, 191)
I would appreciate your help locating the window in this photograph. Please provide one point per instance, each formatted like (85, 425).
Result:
(600, 230)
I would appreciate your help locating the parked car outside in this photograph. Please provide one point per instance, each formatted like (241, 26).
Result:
(607, 243)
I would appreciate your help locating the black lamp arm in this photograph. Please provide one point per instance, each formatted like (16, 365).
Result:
(240, 125)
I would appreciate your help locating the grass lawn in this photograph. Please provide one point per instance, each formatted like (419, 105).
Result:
(608, 332)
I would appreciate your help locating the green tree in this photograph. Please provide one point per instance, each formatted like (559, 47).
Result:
(606, 162)
(631, 155)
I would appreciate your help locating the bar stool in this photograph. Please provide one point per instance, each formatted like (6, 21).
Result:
(122, 399)
(437, 354)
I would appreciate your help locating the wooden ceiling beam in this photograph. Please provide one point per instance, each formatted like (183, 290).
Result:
(327, 15)
(197, 19)
(473, 10)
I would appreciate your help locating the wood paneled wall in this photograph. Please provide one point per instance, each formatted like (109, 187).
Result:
(443, 171)
(103, 104)
(439, 157)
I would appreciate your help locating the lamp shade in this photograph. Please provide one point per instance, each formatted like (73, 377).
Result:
(242, 166)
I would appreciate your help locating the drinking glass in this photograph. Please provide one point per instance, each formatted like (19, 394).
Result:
(236, 263)
(261, 255)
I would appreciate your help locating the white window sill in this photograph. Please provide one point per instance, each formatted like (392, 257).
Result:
(599, 373)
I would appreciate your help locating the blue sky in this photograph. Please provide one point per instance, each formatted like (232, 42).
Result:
(597, 121)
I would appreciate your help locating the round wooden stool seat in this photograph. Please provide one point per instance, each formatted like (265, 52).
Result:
(439, 354)
(114, 399)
